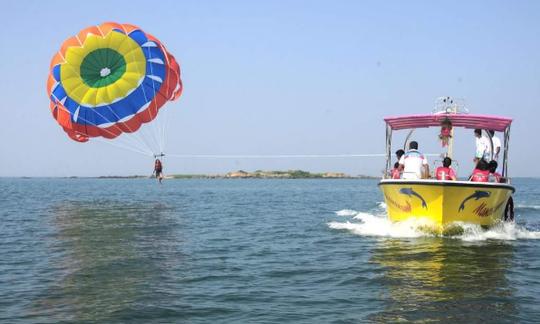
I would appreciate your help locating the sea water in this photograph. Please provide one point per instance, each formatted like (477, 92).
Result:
(253, 251)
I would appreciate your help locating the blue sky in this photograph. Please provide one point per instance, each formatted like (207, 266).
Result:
(282, 77)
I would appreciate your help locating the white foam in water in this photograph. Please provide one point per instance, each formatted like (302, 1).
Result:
(373, 225)
(382, 205)
(346, 212)
(502, 231)
(379, 225)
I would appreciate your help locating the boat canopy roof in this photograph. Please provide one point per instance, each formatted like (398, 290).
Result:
(496, 123)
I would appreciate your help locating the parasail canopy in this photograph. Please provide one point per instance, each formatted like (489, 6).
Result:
(110, 79)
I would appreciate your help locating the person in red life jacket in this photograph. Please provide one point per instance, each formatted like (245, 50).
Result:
(445, 172)
(494, 176)
(158, 170)
(481, 173)
(395, 173)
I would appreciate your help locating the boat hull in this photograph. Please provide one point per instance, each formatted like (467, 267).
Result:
(446, 202)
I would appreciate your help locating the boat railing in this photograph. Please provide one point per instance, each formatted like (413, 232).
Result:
(387, 175)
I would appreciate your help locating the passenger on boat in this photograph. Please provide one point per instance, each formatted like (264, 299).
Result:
(494, 176)
(496, 145)
(413, 163)
(481, 173)
(483, 147)
(399, 154)
(396, 174)
(445, 172)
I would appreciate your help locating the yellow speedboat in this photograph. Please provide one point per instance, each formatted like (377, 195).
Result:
(444, 202)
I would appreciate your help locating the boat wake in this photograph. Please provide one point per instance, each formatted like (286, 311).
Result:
(377, 224)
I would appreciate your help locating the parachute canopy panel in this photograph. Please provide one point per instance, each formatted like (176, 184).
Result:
(496, 123)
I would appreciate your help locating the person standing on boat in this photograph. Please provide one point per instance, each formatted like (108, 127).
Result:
(413, 163)
(399, 154)
(483, 146)
(496, 145)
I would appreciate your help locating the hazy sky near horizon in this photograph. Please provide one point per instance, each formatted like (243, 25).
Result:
(282, 77)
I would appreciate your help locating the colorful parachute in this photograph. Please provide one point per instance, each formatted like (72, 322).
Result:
(110, 79)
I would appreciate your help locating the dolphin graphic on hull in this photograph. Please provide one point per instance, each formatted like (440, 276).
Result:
(478, 194)
(410, 192)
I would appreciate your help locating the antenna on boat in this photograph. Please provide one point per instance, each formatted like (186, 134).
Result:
(449, 105)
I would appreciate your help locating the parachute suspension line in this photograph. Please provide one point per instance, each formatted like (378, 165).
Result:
(280, 156)
(166, 122)
(165, 114)
(127, 139)
(122, 146)
(118, 144)
(160, 133)
(155, 131)
(159, 129)
(143, 129)
(143, 132)
(148, 133)
(156, 125)
(127, 145)
(162, 121)
(133, 136)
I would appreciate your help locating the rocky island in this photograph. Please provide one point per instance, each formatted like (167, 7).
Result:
(258, 174)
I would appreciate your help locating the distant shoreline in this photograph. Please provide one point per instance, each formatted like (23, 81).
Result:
(259, 174)
(240, 174)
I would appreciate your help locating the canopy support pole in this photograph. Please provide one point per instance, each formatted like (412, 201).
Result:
(388, 150)
(491, 154)
(406, 143)
(505, 157)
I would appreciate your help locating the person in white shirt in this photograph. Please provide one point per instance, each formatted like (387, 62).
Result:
(496, 145)
(483, 147)
(414, 164)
